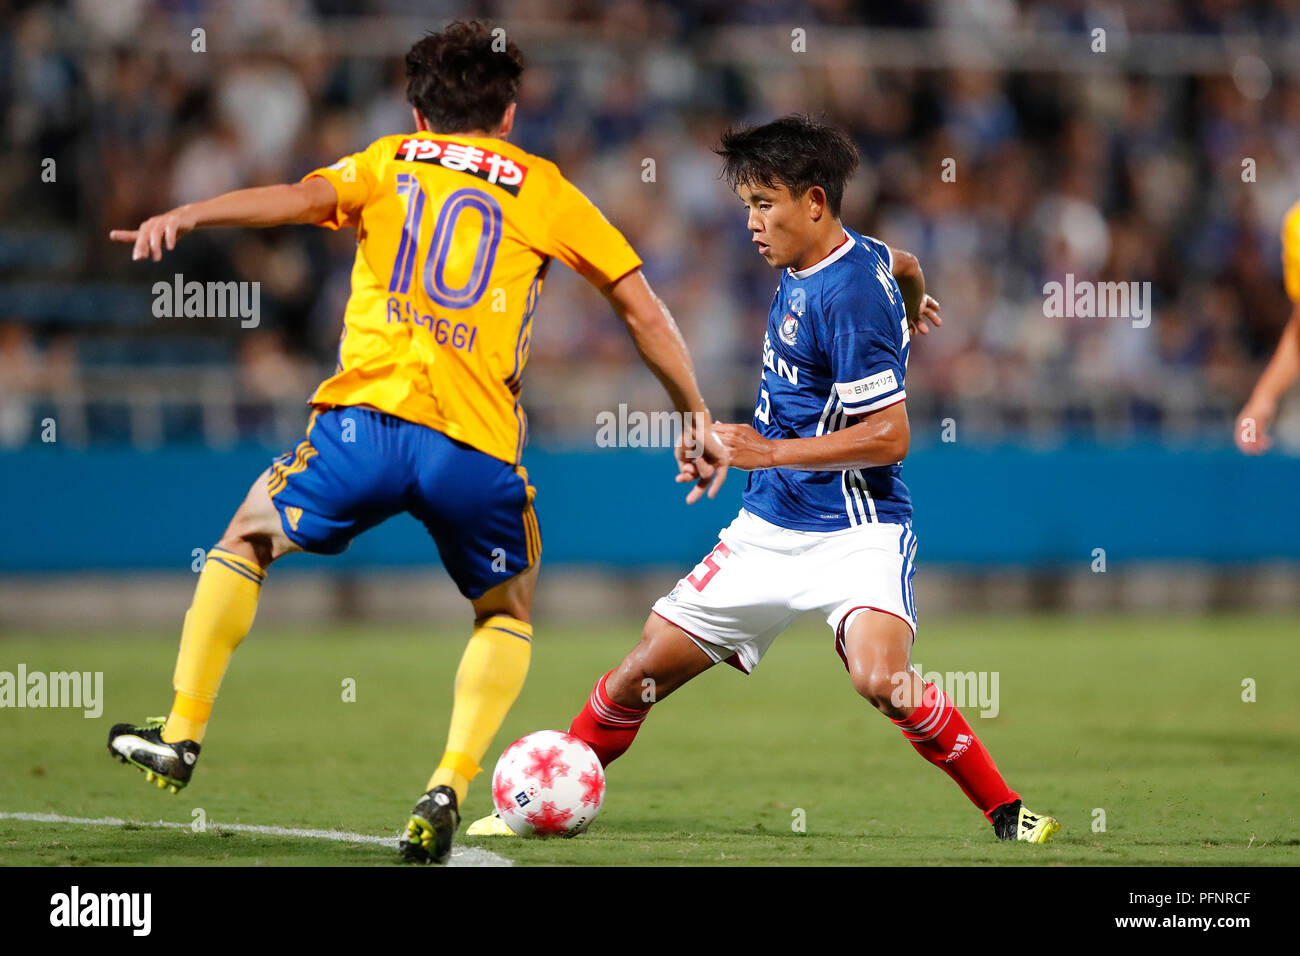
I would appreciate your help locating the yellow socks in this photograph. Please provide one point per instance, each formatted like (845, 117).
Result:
(225, 602)
(489, 678)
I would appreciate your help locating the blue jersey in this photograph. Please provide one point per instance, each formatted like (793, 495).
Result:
(835, 349)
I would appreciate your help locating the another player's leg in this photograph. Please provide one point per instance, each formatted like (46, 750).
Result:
(877, 651)
(663, 660)
(488, 681)
(480, 512)
(221, 614)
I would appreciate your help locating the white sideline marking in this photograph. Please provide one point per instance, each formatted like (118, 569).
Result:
(460, 855)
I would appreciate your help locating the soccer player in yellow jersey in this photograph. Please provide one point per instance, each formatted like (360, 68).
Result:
(1284, 368)
(456, 229)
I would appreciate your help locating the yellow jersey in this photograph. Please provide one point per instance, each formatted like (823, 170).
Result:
(1291, 252)
(454, 237)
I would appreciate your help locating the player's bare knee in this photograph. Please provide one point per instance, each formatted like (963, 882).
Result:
(512, 598)
(518, 609)
(252, 536)
(876, 683)
(251, 547)
(628, 678)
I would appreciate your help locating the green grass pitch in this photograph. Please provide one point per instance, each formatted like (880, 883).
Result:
(1139, 717)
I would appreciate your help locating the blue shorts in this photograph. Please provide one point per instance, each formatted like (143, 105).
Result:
(357, 467)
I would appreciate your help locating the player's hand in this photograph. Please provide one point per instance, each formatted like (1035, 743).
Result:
(926, 315)
(155, 233)
(749, 450)
(1252, 426)
(701, 459)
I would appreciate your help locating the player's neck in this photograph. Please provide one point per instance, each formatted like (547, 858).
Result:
(829, 238)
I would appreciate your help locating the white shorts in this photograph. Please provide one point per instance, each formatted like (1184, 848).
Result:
(760, 577)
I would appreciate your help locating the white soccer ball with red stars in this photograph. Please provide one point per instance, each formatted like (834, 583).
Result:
(548, 784)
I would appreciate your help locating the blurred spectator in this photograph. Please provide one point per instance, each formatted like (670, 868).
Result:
(29, 376)
(1102, 175)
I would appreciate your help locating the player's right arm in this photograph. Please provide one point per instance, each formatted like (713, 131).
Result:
(701, 456)
(308, 203)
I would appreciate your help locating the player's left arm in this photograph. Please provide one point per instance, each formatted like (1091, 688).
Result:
(1255, 419)
(922, 309)
(881, 438)
(308, 203)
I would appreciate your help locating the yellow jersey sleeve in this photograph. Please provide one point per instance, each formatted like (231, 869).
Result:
(354, 179)
(1291, 252)
(582, 238)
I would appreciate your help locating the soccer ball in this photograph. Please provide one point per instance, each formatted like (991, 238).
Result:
(548, 783)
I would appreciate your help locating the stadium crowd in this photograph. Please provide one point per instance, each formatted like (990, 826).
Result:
(1000, 180)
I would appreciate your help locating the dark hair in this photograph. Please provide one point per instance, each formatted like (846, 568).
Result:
(796, 151)
(458, 81)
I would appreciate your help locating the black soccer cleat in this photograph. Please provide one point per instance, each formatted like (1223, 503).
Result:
(1012, 821)
(431, 828)
(170, 765)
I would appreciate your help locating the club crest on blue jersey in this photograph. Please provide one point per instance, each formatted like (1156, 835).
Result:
(789, 329)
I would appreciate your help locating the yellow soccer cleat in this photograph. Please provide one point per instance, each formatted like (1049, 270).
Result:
(490, 825)
(1012, 821)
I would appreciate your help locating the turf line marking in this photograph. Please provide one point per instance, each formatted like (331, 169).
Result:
(460, 855)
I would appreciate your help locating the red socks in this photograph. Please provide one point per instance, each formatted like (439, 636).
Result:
(941, 735)
(606, 727)
(936, 729)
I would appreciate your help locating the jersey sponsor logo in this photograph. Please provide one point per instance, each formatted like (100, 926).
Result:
(777, 364)
(854, 393)
(294, 515)
(789, 329)
(487, 165)
(887, 281)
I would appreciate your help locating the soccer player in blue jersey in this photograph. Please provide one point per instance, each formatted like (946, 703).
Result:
(826, 524)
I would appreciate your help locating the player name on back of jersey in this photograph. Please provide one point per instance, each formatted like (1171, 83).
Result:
(493, 167)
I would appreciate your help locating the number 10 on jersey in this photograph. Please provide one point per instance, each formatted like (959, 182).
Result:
(440, 244)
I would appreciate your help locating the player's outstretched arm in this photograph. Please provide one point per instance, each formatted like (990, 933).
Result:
(881, 438)
(701, 457)
(922, 309)
(308, 203)
(1282, 371)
